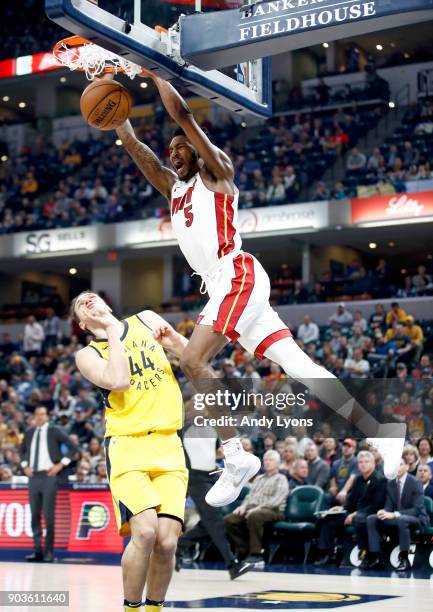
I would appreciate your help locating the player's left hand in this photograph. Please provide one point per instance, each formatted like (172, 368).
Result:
(165, 335)
(147, 73)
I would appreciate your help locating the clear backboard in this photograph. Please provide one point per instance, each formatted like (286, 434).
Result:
(147, 32)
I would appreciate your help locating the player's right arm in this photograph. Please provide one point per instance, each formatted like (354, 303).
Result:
(161, 177)
(111, 373)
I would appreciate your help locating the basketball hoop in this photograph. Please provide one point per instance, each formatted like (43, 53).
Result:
(77, 53)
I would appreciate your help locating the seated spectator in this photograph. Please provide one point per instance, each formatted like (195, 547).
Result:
(425, 450)
(356, 161)
(83, 472)
(265, 502)
(6, 474)
(415, 335)
(330, 451)
(411, 456)
(342, 318)
(418, 423)
(403, 510)
(290, 454)
(300, 293)
(308, 331)
(366, 496)
(185, 327)
(357, 340)
(100, 473)
(251, 164)
(339, 192)
(384, 350)
(7, 345)
(377, 319)
(356, 366)
(408, 290)
(276, 192)
(299, 475)
(291, 184)
(424, 475)
(321, 193)
(358, 319)
(81, 426)
(375, 160)
(318, 469)
(395, 315)
(399, 337)
(247, 445)
(421, 278)
(343, 472)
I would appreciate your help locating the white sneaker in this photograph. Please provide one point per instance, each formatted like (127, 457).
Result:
(390, 444)
(236, 473)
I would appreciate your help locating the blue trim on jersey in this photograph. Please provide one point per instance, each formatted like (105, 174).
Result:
(107, 456)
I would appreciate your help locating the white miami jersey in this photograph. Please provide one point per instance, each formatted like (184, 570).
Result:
(204, 223)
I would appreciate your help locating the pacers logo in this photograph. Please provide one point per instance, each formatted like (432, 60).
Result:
(94, 516)
(280, 600)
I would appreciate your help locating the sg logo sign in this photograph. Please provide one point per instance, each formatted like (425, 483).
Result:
(37, 243)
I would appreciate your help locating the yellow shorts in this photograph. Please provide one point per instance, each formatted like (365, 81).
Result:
(146, 471)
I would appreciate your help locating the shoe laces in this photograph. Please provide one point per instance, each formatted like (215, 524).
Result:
(228, 473)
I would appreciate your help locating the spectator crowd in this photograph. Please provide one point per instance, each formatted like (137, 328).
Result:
(39, 370)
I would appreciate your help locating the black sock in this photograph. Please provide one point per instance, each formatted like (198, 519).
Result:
(132, 604)
(151, 602)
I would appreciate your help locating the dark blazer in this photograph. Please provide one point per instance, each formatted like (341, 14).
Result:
(366, 496)
(428, 491)
(55, 438)
(412, 499)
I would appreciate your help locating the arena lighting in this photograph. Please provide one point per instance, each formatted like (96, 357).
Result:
(22, 104)
(243, 124)
(73, 271)
(372, 245)
(391, 243)
(118, 142)
(391, 104)
(63, 79)
(403, 271)
(143, 85)
(395, 222)
(4, 158)
(326, 45)
(6, 98)
(379, 47)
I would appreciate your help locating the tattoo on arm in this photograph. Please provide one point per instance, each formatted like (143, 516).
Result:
(147, 162)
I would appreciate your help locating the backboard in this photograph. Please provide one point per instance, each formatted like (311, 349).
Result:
(147, 32)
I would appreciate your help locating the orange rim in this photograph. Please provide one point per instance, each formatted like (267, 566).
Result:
(73, 44)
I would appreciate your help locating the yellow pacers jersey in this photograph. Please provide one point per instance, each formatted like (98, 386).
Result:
(153, 401)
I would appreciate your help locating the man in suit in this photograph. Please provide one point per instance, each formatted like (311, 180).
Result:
(424, 475)
(367, 495)
(43, 461)
(404, 510)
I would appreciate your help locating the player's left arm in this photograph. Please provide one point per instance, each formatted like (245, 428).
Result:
(163, 332)
(216, 161)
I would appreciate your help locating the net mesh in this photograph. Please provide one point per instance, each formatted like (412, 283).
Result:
(93, 60)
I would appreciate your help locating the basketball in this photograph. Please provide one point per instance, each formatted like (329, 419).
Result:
(105, 105)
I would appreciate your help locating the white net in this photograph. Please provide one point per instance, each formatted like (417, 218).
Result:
(94, 60)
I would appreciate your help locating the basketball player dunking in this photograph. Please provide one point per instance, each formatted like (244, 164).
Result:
(203, 202)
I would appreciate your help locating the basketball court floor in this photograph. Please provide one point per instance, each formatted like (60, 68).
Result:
(98, 588)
